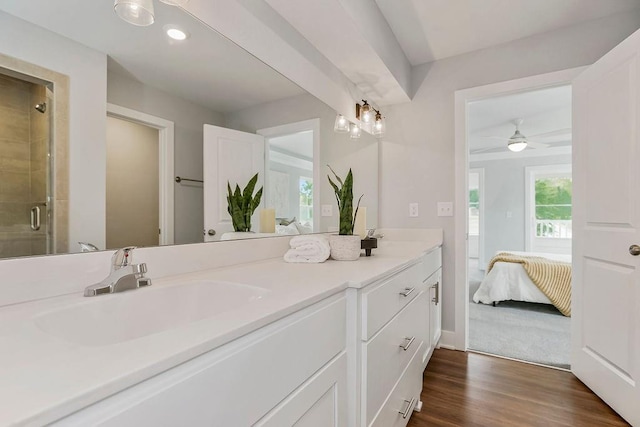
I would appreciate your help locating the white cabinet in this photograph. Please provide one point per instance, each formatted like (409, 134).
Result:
(400, 326)
(276, 372)
(353, 359)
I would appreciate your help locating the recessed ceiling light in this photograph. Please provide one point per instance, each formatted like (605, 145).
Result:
(176, 33)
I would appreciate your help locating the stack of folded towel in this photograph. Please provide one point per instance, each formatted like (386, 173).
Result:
(308, 248)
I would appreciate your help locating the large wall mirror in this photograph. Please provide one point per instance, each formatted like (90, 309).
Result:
(98, 117)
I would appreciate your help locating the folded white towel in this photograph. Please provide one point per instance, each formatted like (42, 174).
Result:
(308, 248)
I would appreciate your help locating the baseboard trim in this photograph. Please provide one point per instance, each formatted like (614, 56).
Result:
(447, 340)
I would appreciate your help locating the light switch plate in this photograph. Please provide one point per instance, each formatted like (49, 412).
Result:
(445, 208)
(413, 210)
(327, 210)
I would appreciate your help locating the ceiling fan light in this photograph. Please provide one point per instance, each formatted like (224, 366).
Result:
(517, 145)
(136, 12)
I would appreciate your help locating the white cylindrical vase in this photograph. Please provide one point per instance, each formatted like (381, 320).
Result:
(345, 248)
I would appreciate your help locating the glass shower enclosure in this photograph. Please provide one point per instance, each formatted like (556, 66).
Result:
(25, 166)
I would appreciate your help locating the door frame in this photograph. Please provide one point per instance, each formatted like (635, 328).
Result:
(461, 251)
(166, 169)
(288, 129)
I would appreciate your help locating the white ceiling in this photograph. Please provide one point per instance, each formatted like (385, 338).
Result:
(206, 69)
(542, 111)
(298, 144)
(429, 30)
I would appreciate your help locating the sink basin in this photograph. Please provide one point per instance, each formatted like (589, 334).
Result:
(115, 318)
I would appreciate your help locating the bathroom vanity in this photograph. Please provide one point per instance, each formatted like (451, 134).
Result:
(260, 342)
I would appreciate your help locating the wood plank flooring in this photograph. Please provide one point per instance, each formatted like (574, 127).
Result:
(467, 389)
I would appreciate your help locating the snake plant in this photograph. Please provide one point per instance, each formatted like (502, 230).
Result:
(242, 204)
(344, 196)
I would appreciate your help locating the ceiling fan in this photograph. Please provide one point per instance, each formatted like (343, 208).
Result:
(518, 142)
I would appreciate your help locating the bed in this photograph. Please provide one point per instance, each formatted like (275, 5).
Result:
(509, 281)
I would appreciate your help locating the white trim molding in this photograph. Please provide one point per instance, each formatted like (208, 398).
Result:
(462, 99)
(166, 159)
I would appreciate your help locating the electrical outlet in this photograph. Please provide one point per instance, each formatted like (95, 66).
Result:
(327, 210)
(413, 210)
(445, 208)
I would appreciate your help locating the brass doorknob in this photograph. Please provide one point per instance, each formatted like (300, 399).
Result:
(634, 250)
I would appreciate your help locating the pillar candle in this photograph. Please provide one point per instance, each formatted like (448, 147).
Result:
(360, 227)
(268, 221)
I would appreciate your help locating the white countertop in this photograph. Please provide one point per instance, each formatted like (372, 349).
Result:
(43, 378)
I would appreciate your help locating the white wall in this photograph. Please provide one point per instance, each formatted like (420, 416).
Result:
(417, 154)
(189, 120)
(87, 71)
(336, 149)
(504, 191)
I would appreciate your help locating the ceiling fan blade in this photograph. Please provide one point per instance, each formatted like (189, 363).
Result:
(558, 132)
(487, 150)
(494, 137)
(534, 144)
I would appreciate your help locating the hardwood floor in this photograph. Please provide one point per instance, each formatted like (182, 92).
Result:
(467, 389)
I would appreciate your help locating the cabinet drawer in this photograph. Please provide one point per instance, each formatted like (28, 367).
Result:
(403, 398)
(382, 302)
(321, 401)
(384, 359)
(234, 385)
(431, 262)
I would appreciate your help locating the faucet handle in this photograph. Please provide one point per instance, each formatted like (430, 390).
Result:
(122, 258)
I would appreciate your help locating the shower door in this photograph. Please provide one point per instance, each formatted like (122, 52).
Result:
(25, 170)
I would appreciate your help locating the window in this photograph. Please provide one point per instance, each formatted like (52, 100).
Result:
(474, 212)
(553, 205)
(306, 200)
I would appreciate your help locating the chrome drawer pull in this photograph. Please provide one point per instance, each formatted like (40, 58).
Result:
(407, 291)
(405, 413)
(436, 299)
(408, 344)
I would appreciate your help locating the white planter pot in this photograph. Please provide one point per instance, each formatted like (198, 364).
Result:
(345, 248)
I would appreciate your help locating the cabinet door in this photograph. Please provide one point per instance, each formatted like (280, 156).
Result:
(321, 401)
(435, 312)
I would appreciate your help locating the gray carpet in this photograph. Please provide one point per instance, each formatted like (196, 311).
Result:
(532, 332)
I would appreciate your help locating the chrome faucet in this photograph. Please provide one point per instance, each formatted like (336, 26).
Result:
(124, 275)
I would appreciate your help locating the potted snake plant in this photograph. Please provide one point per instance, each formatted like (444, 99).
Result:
(242, 204)
(345, 246)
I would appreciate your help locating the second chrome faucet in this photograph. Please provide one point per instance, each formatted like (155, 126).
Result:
(124, 275)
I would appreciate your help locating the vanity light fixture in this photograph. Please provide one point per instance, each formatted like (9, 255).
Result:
(176, 33)
(379, 126)
(364, 112)
(355, 131)
(341, 125)
(136, 12)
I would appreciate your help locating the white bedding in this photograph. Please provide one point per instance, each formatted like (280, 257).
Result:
(508, 281)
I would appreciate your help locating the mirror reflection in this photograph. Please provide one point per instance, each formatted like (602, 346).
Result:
(98, 117)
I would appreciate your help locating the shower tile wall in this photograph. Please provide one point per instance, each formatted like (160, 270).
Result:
(16, 163)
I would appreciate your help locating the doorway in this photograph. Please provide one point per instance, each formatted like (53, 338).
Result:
(504, 181)
(291, 164)
(139, 184)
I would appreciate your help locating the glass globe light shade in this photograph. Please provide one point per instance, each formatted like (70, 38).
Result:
(136, 12)
(175, 2)
(355, 131)
(341, 125)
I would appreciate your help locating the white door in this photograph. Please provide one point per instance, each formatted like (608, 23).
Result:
(229, 156)
(606, 277)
